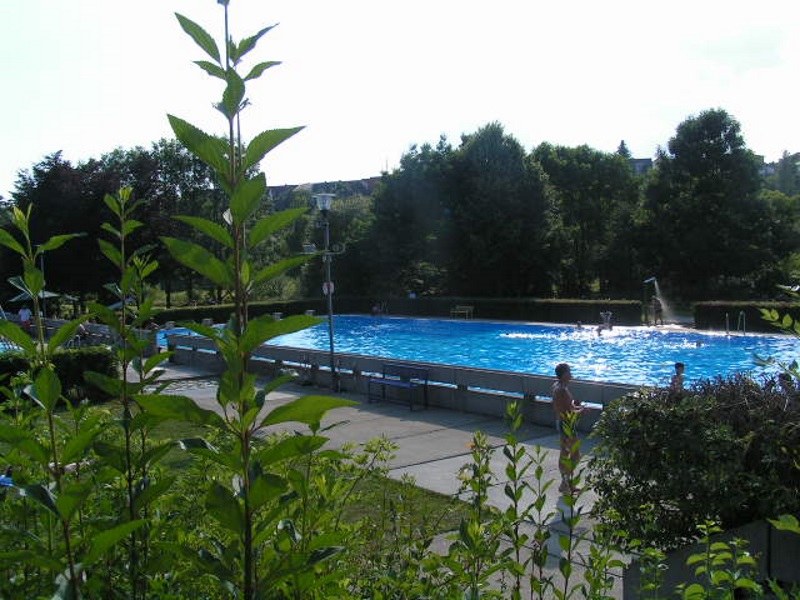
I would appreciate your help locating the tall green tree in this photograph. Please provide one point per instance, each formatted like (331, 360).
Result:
(595, 196)
(409, 243)
(500, 206)
(706, 226)
(787, 174)
(67, 197)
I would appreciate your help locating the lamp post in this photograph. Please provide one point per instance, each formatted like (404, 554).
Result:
(323, 203)
(44, 296)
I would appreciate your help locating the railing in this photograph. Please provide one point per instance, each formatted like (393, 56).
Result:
(481, 391)
(97, 334)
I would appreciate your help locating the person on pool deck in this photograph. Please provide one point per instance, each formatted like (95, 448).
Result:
(564, 404)
(24, 315)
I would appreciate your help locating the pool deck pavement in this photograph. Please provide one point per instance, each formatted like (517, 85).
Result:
(432, 444)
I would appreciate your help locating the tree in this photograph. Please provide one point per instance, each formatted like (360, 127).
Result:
(706, 226)
(68, 198)
(500, 206)
(787, 174)
(409, 238)
(595, 195)
(623, 151)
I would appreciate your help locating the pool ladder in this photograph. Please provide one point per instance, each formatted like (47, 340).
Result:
(741, 323)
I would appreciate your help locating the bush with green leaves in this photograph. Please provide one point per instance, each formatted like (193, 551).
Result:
(721, 452)
(70, 365)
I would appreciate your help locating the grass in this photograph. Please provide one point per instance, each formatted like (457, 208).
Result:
(426, 509)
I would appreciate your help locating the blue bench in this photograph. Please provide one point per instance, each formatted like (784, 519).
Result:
(401, 377)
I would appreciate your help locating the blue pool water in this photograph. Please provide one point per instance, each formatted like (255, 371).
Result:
(635, 355)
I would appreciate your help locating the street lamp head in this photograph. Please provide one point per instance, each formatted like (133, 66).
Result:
(649, 280)
(323, 201)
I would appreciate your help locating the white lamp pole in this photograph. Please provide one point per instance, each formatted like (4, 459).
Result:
(323, 202)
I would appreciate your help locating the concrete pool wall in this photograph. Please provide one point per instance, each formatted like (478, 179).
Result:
(479, 391)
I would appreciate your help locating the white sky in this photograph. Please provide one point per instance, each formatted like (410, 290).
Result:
(371, 77)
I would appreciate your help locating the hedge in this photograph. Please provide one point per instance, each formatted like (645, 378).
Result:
(625, 312)
(70, 365)
(712, 315)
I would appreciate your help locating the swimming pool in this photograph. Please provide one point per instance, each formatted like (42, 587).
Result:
(634, 355)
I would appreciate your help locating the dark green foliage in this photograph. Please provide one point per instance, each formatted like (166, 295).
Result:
(73, 363)
(721, 452)
(500, 206)
(626, 312)
(711, 315)
(70, 365)
(706, 227)
(595, 196)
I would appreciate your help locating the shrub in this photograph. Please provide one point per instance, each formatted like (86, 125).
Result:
(720, 452)
(70, 365)
(711, 315)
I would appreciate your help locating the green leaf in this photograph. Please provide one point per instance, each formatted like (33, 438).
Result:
(247, 196)
(200, 36)
(9, 242)
(113, 456)
(233, 95)
(45, 389)
(24, 442)
(259, 69)
(102, 542)
(42, 496)
(321, 554)
(274, 270)
(114, 206)
(264, 328)
(77, 444)
(201, 260)
(153, 361)
(276, 382)
(265, 488)
(289, 448)
(72, 497)
(130, 226)
(110, 385)
(148, 490)
(17, 336)
(211, 68)
(260, 145)
(34, 281)
(306, 409)
(786, 523)
(57, 241)
(195, 444)
(268, 225)
(694, 591)
(207, 148)
(65, 333)
(248, 43)
(223, 505)
(181, 408)
(213, 230)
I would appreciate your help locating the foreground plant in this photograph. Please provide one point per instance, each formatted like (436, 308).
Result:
(268, 544)
(50, 469)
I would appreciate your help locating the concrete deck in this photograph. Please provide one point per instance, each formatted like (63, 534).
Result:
(433, 444)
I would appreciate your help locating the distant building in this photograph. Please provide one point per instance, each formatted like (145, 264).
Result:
(281, 195)
(641, 166)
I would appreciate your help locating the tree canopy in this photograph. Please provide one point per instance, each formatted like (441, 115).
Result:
(483, 218)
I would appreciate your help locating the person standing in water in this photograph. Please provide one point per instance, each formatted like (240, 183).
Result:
(676, 383)
(565, 406)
